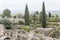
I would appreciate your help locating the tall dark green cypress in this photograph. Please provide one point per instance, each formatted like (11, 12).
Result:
(49, 14)
(27, 22)
(43, 16)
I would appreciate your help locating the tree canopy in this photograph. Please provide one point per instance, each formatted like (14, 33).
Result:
(6, 13)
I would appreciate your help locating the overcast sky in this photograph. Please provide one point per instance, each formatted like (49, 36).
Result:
(33, 5)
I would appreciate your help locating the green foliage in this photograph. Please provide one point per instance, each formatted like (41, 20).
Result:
(57, 33)
(8, 26)
(21, 22)
(49, 14)
(6, 13)
(57, 15)
(30, 18)
(6, 23)
(43, 16)
(40, 18)
(27, 21)
(1, 21)
(14, 16)
(27, 28)
(36, 12)
(52, 19)
(34, 18)
(38, 25)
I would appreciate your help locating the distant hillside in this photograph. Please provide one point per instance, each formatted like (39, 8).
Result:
(31, 12)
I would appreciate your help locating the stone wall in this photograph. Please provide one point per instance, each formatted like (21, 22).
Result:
(1, 30)
(19, 34)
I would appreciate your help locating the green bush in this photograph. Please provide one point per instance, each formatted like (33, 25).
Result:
(26, 28)
(8, 26)
(14, 16)
(6, 23)
(21, 22)
(6, 13)
(38, 25)
(52, 19)
(57, 33)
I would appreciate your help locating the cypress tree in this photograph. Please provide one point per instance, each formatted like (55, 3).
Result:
(49, 14)
(43, 16)
(27, 22)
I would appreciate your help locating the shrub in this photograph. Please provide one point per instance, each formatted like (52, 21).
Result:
(6, 23)
(38, 25)
(52, 19)
(21, 22)
(26, 28)
(14, 17)
(8, 26)
(57, 33)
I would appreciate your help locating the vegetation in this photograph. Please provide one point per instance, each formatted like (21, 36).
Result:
(37, 17)
(6, 23)
(32, 21)
(34, 18)
(21, 22)
(57, 33)
(6, 13)
(43, 19)
(27, 21)
(26, 28)
(49, 14)
(14, 16)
